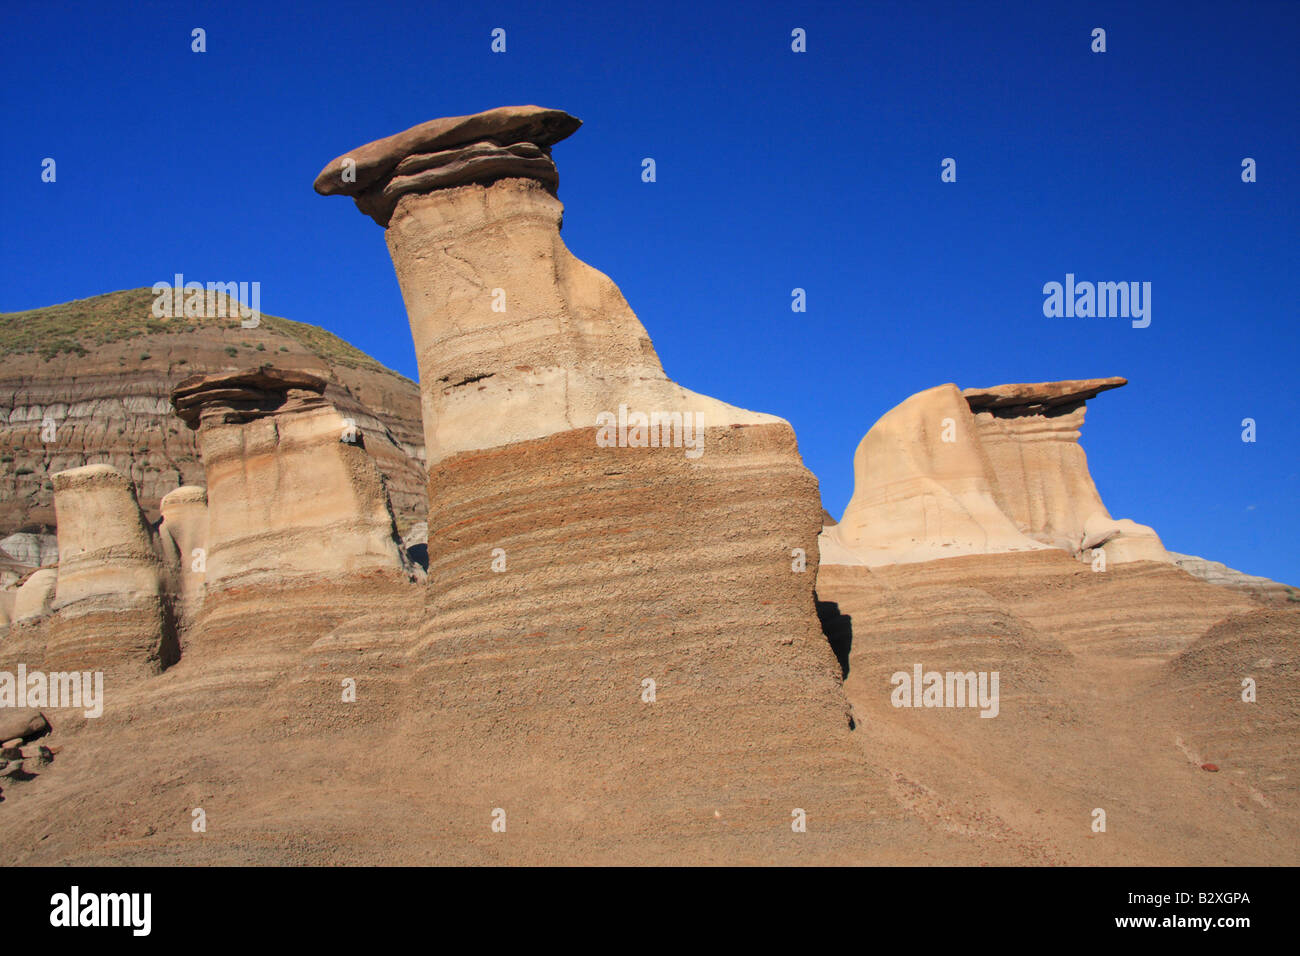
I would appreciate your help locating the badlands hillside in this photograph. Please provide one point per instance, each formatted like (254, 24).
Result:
(639, 638)
(100, 372)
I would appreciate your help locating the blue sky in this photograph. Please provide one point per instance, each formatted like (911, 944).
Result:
(776, 170)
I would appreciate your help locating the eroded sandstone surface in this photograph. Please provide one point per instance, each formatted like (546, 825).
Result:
(624, 650)
(982, 471)
(563, 573)
(291, 489)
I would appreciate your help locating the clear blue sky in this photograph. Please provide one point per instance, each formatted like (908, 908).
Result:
(776, 170)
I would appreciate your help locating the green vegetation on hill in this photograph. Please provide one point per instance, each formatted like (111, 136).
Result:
(78, 326)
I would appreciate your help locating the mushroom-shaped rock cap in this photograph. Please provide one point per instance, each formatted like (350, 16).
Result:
(252, 390)
(1039, 394)
(504, 126)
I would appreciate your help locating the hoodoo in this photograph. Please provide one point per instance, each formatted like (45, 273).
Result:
(614, 564)
(291, 491)
(515, 338)
(981, 471)
(616, 654)
(110, 608)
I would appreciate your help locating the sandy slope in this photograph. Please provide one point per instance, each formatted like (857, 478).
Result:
(1091, 715)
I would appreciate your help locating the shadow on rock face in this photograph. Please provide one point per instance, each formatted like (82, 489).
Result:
(419, 554)
(838, 629)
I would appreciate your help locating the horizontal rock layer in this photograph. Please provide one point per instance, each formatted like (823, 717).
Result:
(1216, 572)
(1033, 398)
(1255, 741)
(245, 394)
(371, 164)
(482, 163)
(1114, 687)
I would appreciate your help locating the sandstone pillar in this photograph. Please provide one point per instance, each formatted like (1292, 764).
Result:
(291, 492)
(184, 534)
(566, 569)
(111, 610)
(951, 472)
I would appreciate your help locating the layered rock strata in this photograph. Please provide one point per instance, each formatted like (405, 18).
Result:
(31, 549)
(618, 651)
(291, 490)
(111, 610)
(1216, 572)
(89, 382)
(981, 471)
(508, 142)
(1235, 691)
(183, 534)
(579, 546)
(515, 338)
(1115, 688)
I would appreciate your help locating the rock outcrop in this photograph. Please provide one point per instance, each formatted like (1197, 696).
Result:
(22, 553)
(183, 535)
(592, 525)
(31, 549)
(981, 471)
(1216, 572)
(22, 723)
(111, 610)
(508, 142)
(1114, 688)
(89, 382)
(291, 489)
(35, 596)
(1234, 690)
(106, 550)
(516, 339)
(619, 650)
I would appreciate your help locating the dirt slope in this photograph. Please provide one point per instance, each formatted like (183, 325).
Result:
(1115, 688)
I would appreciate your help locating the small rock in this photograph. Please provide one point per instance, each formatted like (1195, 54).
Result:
(11, 744)
(37, 753)
(13, 769)
(1212, 768)
(23, 723)
(11, 753)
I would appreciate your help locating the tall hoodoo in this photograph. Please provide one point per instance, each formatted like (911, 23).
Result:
(514, 336)
(183, 535)
(579, 567)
